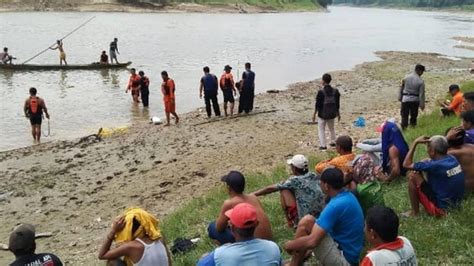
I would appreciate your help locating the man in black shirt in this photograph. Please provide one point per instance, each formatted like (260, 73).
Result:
(22, 244)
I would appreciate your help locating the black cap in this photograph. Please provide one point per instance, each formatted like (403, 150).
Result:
(227, 67)
(22, 237)
(235, 180)
(453, 87)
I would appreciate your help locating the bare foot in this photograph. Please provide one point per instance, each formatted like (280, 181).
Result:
(408, 214)
(177, 120)
(166, 125)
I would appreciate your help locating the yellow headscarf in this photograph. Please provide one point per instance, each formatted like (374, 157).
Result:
(148, 227)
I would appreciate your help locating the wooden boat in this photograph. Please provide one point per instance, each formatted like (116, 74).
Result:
(92, 66)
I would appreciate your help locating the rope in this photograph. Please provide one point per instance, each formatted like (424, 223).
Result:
(67, 35)
(49, 131)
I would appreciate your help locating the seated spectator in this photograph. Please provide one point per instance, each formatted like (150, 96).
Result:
(381, 231)
(247, 249)
(468, 126)
(455, 106)
(394, 150)
(464, 153)
(343, 161)
(373, 148)
(364, 183)
(219, 230)
(139, 238)
(22, 244)
(468, 101)
(444, 187)
(300, 194)
(5, 57)
(337, 236)
(104, 58)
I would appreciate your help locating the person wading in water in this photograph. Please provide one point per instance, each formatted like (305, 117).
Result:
(34, 108)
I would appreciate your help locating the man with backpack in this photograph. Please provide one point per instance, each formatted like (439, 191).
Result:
(327, 109)
(34, 108)
(210, 87)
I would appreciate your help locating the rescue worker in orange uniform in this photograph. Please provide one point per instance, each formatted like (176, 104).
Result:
(168, 90)
(34, 108)
(134, 85)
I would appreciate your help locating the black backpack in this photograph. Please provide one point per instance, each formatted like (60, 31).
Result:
(329, 110)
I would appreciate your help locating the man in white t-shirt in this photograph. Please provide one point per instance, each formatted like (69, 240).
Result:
(381, 231)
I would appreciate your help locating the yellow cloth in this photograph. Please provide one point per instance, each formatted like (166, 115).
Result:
(342, 162)
(62, 55)
(148, 227)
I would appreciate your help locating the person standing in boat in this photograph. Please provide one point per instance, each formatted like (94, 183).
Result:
(62, 54)
(113, 51)
(144, 91)
(168, 89)
(34, 108)
(104, 59)
(134, 85)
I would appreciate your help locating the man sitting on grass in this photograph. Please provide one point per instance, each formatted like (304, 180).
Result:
(444, 187)
(455, 106)
(337, 236)
(300, 194)
(219, 230)
(381, 231)
(247, 250)
(22, 244)
(345, 158)
(468, 126)
(468, 101)
(463, 152)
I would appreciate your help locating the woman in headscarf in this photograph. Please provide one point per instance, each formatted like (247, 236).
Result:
(394, 151)
(139, 241)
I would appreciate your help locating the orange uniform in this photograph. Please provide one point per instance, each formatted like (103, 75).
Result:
(134, 83)
(168, 89)
(343, 162)
(457, 103)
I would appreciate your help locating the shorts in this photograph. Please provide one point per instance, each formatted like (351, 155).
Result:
(170, 106)
(112, 54)
(427, 199)
(135, 92)
(62, 56)
(328, 253)
(223, 237)
(36, 119)
(292, 215)
(228, 95)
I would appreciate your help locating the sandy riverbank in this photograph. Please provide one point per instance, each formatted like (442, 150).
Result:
(74, 189)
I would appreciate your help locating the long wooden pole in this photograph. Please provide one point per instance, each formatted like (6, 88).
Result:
(67, 35)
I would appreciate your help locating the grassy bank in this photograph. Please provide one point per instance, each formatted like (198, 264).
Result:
(448, 240)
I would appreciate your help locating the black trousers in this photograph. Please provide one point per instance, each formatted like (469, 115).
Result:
(245, 102)
(208, 99)
(144, 95)
(409, 110)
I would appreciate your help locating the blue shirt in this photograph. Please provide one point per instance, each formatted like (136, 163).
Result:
(446, 180)
(249, 80)
(254, 252)
(210, 84)
(343, 220)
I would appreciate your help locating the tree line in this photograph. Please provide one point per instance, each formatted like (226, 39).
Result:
(413, 3)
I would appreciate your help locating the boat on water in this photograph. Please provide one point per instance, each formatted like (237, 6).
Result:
(62, 67)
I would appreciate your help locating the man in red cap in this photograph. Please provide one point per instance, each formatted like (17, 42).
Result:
(219, 230)
(22, 244)
(247, 250)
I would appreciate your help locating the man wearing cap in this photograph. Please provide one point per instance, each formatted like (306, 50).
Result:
(210, 87)
(247, 249)
(219, 230)
(412, 96)
(337, 236)
(22, 244)
(228, 89)
(300, 194)
(455, 106)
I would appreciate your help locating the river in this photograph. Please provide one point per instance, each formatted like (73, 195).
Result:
(283, 48)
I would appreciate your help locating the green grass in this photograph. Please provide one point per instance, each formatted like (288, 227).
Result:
(447, 240)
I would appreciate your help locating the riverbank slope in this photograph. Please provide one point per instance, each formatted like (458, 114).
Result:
(75, 188)
(203, 6)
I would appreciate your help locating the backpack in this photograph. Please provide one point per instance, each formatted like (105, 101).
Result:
(329, 110)
(370, 194)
